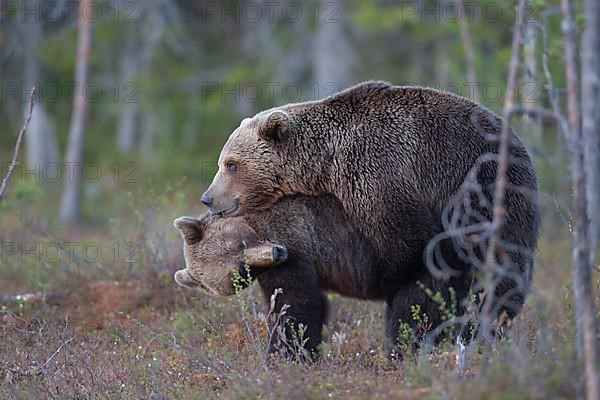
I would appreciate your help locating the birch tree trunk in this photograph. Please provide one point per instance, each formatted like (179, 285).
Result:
(581, 252)
(531, 88)
(130, 68)
(71, 202)
(590, 96)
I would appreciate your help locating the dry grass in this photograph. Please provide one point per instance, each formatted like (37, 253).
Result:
(118, 329)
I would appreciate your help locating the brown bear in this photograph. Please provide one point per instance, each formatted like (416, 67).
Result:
(313, 248)
(397, 159)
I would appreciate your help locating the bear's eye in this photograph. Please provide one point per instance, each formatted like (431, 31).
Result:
(231, 167)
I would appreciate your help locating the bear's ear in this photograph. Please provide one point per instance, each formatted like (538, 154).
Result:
(191, 229)
(275, 127)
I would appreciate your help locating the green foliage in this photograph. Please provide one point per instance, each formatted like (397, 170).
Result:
(28, 192)
(376, 17)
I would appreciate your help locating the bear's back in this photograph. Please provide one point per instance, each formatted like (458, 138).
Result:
(433, 137)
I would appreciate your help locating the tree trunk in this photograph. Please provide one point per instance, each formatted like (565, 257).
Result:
(41, 146)
(468, 49)
(127, 127)
(149, 121)
(71, 201)
(533, 124)
(581, 254)
(590, 96)
(334, 56)
(441, 66)
(292, 64)
(128, 118)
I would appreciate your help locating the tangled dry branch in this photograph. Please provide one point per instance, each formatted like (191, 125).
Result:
(473, 220)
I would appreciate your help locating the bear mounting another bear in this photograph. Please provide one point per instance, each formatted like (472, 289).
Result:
(397, 159)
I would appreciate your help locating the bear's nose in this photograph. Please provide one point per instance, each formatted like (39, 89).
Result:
(207, 200)
(279, 253)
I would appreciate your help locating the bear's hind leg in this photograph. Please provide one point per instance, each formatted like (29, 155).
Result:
(424, 311)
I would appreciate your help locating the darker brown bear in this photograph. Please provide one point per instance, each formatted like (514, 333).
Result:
(396, 158)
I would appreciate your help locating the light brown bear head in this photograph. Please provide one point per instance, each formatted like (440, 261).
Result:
(216, 249)
(254, 166)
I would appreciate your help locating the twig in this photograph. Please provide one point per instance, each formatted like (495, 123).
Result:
(537, 112)
(160, 335)
(58, 351)
(562, 216)
(13, 164)
(562, 121)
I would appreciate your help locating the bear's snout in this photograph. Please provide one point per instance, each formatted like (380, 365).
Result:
(206, 200)
(182, 278)
(219, 202)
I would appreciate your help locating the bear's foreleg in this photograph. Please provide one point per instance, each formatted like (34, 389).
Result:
(296, 330)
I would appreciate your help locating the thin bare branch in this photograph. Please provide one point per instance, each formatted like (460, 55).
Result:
(505, 140)
(537, 112)
(14, 163)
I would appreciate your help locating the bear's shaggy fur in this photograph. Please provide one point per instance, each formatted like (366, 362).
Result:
(319, 250)
(395, 158)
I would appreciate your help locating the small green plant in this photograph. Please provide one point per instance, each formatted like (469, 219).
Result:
(406, 339)
(410, 334)
(239, 284)
(448, 310)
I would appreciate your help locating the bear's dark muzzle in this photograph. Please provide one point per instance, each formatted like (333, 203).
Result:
(279, 253)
